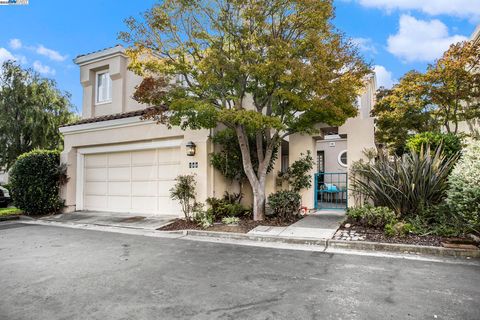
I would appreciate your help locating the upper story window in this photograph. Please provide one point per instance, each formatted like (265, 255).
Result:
(103, 87)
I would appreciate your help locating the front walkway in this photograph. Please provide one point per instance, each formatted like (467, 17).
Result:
(114, 219)
(319, 225)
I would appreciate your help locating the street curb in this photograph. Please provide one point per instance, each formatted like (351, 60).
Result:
(402, 248)
(259, 238)
(9, 218)
(342, 244)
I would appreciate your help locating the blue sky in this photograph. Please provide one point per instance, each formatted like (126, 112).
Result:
(393, 35)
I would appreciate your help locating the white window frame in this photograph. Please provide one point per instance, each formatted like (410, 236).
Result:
(339, 159)
(97, 75)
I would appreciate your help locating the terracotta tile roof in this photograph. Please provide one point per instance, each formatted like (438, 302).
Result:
(136, 113)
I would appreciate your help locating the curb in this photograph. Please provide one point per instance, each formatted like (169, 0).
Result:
(343, 244)
(259, 238)
(402, 248)
(9, 218)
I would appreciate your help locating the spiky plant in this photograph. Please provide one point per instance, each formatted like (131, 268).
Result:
(406, 184)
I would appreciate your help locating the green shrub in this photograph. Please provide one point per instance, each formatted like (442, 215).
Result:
(184, 191)
(450, 142)
(230, 220)
(404, 184)
(463, 195)
(370, 216)
(203, 218)
(396, 228)
(298, 174)
(228, 206)
(284, 204)
(35, 181)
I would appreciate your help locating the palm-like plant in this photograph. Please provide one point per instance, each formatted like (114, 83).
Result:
(406, 184)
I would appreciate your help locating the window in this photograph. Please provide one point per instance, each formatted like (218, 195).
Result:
(342, 158)
(103, 87)
(321, 161)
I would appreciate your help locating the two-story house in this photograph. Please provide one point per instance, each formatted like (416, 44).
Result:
(118, 162)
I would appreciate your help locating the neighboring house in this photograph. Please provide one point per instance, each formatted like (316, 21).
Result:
(120, 163)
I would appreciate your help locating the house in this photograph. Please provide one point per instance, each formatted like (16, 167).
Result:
(118, 162)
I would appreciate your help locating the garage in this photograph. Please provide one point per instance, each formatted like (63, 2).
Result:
(136, 182)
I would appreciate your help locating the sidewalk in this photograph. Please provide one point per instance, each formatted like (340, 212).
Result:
(319, 225)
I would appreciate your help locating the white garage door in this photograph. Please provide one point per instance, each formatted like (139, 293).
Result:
(136, 181)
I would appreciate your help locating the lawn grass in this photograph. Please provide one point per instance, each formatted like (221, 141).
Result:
(9, 211)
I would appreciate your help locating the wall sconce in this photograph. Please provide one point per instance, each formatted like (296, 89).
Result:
(191, 148)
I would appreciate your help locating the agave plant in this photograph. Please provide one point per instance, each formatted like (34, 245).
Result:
(406, 184)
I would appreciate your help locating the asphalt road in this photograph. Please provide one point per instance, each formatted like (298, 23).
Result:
(60, 273)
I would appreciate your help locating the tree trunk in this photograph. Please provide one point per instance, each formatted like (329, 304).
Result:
(259, 202)
(257, 182)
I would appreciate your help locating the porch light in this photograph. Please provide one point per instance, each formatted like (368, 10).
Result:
(191, 148)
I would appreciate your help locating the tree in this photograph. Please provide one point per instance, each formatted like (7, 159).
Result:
(402, 111)
(447, 93)
(229, 159)
(273, 67)
(31, 112)
(453, 85)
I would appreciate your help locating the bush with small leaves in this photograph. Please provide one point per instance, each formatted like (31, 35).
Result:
(284, 204)
(370, 216)
(35, 181)
(463, 194)
(184, 191)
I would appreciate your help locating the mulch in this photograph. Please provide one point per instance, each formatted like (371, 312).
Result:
(244, 226)
(377, 235)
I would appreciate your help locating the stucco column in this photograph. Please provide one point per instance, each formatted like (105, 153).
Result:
(300, 144)
(68, 190)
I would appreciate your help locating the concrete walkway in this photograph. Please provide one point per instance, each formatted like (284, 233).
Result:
(319, 225)
(126, 220)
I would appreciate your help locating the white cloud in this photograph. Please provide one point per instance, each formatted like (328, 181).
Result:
(365, 44)
(5, 55)
(15, 44)
(384, 77)
(420, 40)
(51, 54)
(43, 69)
(459, 8)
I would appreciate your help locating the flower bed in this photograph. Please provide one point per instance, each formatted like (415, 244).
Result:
(351, 232)
(244, 226)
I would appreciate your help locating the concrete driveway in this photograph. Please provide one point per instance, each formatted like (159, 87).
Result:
(126, 220)
(63, 273)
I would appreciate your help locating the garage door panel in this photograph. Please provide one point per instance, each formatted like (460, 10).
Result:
(136, 181)
(144, 173)
(96, 160)
(119, 203)
(164, 188)
(96, 188)
(95, 174)
(119, 174)
(144, 204)
(144, 157)
(95, 202)
(168, 155)
(117, 188)
(119, 159)
(144, 188)
(168, 171)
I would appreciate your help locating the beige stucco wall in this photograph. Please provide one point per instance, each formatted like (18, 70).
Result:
(142, 131)
(123, 87)
(359, 131)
